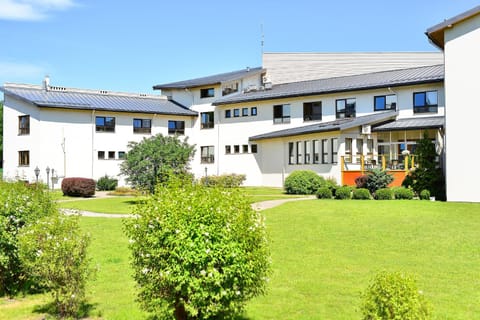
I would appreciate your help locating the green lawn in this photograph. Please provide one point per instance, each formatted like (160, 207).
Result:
(105, 205)
(324, 253)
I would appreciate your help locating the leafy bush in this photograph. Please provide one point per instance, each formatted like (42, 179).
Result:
(225, 180)
(343, 193)
(361, 194)
(424, 195)
(198, 252)
(125, 191)
(54, 251)
(19, 205)
(378, 179)
(78, 187)
(394, 296)
(384, 194)
(303, 182)
(403, 193)
(324, 193)
(106, 183)
(361, 181)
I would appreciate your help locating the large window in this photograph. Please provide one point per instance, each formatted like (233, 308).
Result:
(207, 93)
(359, 149)
(299, 152)
(307, 148)
(425, 101)
(316, 149)
(291, 153)
(312, 111)
(176, 127)
(345, 108)
(334, 145)
(207, 154)
(142, 125)
(324, 151)
(388, 102)
(348, 150)
(207, 120)
(105, 124)
(281, 113)
(23, 158)
(23, 125)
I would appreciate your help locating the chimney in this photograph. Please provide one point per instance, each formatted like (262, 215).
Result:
(46, 83)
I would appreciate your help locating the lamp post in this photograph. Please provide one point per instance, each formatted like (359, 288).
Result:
(37, 172)
(206, 176)
(48, 176)
(53, 180)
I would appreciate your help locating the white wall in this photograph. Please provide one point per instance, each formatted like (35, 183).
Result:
(462, 68)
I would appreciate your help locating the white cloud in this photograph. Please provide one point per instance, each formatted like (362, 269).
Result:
(31, 9)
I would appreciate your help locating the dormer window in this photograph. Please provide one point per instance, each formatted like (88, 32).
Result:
(229, 88)
(207, 93)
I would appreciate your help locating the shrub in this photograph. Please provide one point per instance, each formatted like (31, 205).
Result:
(78, 187)
(384, 194)
(378, 179)
(106, 183)
(20, 205)
(225, 180)
(361, 181)
(425, 195)
(125, 191)
(394, 296)
(54, 251)
(343, 193)
(403, 193)
(198, 252)
(361, 194)
(324, 193)
(303, 182)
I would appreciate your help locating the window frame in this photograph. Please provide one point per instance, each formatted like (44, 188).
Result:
(145, 126)
(228, 114)
(253, 111)
(308, 111)
(23, 126)
(392, 104)
(111, 155)
(207, 93)
(334, 150)
(244, 112)
(121, 155)
(315, 151)
(207, 120)
(176, 130)
(236, 113)
(425, 108)
(236, 148)
(228, 149)
(325, 151)
(244, 148)
(107, 126)
(254, 148)
(281, 113)
(346, 112)
(101, 155)
(24, 158)
(210, 154)
(291, 153)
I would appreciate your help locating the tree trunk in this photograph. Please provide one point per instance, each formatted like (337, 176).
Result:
(180, 313)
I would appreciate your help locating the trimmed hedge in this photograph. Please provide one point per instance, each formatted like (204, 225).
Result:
(106, 183)
(324, 193)
(343, 193)
(361, 194)
(384, 194)
(403, 193)
(78, 187)
(225, 180)
(303, 182)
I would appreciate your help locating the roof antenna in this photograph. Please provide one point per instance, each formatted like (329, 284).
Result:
(262, 42)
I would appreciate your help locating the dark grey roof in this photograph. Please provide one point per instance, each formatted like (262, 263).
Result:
(210, 80)
(412, 124)
(382, 79)
(339, 124)
(436, 33)
(58, 97)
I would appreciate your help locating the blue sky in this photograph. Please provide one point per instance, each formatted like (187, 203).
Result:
(133, 45)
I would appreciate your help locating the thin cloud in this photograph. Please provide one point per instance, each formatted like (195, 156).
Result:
(31, 10)
(13, 71)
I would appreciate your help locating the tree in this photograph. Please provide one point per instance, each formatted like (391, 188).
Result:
(152, 160)
(198, 252)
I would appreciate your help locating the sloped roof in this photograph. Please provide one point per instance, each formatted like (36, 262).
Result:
(59, 97)
(336, 125)
(412, 124)
(436, 33)
(374, 80)
(210, 80)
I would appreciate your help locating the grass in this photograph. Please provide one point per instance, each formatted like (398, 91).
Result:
(122, 204)
(324, 253)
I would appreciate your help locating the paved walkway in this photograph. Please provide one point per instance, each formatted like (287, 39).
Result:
(259, 206)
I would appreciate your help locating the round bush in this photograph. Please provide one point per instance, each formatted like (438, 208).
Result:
(106, 183)
(78, 187)
(324, 193)
(303, 182)
(343, 193)
(384, 194)
(425, 195)
(403, 193)
(361, 194)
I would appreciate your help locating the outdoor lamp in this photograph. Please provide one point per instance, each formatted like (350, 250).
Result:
(48, 175)
(37, 172)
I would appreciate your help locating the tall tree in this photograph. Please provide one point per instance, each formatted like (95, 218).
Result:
(153, 160)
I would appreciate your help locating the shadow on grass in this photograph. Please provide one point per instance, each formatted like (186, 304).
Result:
(49, 308)
(135, 202)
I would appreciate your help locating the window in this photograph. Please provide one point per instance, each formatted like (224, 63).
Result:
(312, 111)
(142, 125)
(121, 155)
(230, 88)
(207, 154)
(253, 148)
(315, 149)
(228, 113)
(244, 112)
(228, 149)
(388, 102)
(23, 125)
(176, 127)
(236, 148)
(111, 155)
(207, 120)
(236, 113)
(105, 124)
(307, 145)
(324, 151)
(245, 148)
(359, 149)
(425, 102)
(101, 155)
(23, 158)
(345, 108)
(348, 150)
(291, 155)
(281, 113)
(207, 93)
(299, 152)
(253, 111)
(334, 145)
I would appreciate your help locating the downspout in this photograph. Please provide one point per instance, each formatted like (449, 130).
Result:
(218, 143)
(93, 140)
